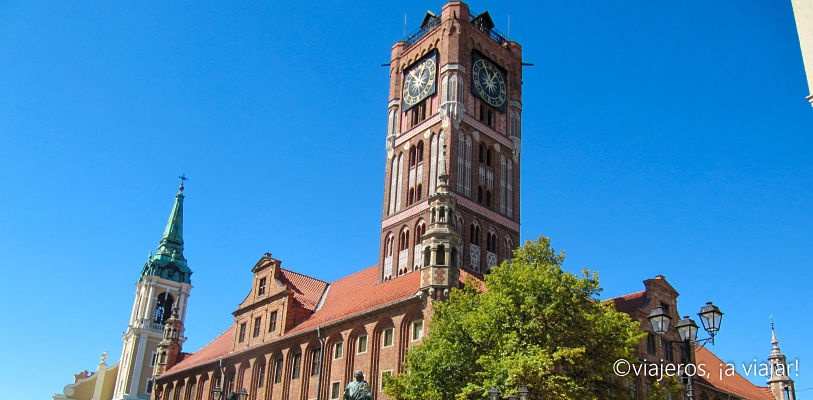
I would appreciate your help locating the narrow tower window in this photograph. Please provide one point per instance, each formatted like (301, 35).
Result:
(461, 163)
(433, 160)
(393, 183)
(468, 166)
(400, 182)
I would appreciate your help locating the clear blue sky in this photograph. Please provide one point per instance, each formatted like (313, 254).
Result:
(659, 138)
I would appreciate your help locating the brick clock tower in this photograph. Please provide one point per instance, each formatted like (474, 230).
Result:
(455, 105)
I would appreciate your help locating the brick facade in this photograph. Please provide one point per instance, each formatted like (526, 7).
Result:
(298, 338)
(480, 175)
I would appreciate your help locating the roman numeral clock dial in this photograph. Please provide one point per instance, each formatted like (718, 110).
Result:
(419, 81)
(488, 82)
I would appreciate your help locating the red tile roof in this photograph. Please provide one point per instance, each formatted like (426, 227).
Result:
(630, 302)
(358, 293)
(349, 296)
(307, 290)
(215, 349)
(736, 384)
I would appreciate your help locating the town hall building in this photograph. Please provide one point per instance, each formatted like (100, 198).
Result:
(450, 212)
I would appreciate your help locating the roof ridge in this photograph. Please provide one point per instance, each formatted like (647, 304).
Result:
(306, 276)
(628, 295)
(216, 337)
(355, 273)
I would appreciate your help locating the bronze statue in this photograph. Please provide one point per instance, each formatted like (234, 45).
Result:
(358, 389)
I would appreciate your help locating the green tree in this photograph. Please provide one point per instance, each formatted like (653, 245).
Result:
(531, 324)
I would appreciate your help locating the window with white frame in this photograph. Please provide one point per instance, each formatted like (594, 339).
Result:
(417, 329)
(338, 350)
(383, 375)
(387, 337)
(361, 346)
(335, 390)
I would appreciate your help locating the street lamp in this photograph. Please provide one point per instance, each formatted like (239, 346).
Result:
(523, 393)
(710, 316)
(218, 394)
(494, 394)
(659, 320)
(687, 329)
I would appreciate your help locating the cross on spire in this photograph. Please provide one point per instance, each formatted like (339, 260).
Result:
(183, 179)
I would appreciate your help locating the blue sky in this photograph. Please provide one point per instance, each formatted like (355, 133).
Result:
(659, 138)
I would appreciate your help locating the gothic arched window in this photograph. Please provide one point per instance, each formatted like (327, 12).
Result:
(163, 308)
(420, 230)
(419, 152)
(491, 242)
(461, 163)
(509, 247)
(388, 246)
(474, 234)
(403, 239)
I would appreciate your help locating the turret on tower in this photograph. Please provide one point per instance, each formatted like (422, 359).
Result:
(441, 243)
(780, 383)
(170, 346)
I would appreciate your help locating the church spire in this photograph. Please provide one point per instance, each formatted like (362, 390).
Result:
(169, 262)
(774, 341)
(172, 241)
(779, 382)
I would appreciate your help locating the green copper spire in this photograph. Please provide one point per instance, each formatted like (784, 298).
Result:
(169, 262)
(172, 242)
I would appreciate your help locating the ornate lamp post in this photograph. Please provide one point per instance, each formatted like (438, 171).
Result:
(218, 394)
(710, 316)
(494, 394)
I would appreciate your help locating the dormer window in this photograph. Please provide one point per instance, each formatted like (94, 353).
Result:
(261, 287)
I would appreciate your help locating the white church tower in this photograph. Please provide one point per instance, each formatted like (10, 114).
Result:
(164, 285)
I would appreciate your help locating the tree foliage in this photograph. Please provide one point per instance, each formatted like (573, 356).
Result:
(532, 324)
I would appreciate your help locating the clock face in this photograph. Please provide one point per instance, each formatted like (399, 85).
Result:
(488, 82)
(419, 81)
